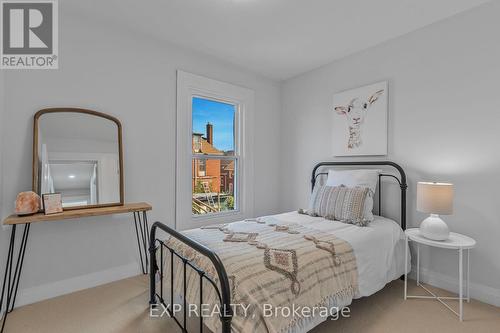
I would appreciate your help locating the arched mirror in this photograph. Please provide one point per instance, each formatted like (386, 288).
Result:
(78, 153)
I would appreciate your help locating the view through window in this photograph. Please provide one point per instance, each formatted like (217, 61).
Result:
(214, 156)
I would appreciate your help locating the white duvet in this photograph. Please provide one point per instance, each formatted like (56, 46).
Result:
(379, 247)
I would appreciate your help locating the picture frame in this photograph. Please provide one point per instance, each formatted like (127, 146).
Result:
(52, 203)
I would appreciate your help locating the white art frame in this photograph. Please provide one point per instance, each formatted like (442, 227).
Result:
(359, 120)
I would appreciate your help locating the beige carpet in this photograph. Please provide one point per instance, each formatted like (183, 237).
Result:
(122, 307)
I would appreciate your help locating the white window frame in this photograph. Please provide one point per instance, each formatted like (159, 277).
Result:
(189, 86)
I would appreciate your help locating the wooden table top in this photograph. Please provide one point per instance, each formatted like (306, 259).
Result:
(79, 213)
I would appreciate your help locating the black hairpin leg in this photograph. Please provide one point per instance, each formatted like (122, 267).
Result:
(11, 277)
(142, 234)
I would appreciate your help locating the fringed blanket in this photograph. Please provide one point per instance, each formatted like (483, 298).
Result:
(270, 265)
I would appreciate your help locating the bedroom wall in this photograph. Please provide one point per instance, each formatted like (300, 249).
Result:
(2, 110)
(132, 77)
(444, 125)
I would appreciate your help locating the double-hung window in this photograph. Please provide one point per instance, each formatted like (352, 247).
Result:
(215, 156)
(214, 152)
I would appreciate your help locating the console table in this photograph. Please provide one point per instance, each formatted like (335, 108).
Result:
(13, 272)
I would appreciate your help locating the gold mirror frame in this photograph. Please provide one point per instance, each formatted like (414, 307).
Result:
(91, 113)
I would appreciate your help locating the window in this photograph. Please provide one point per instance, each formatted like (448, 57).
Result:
(214, 152)
(214, 156)
(199, 169)
(196, 143)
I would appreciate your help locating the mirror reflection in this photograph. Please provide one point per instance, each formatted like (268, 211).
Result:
(79, 157)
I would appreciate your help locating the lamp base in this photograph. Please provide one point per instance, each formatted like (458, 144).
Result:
(434, 228)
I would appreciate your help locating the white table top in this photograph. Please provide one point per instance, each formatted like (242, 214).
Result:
(455, 241)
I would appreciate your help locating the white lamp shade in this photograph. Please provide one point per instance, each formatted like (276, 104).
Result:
(435, 198)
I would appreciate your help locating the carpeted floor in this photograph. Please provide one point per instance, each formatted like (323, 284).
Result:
(122, 307)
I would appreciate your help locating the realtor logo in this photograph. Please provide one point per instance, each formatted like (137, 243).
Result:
(29, 35)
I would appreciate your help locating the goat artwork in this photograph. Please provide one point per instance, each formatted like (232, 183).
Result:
(364, 110)
(355, 113)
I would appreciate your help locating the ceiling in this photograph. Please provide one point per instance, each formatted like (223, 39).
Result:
(71, 125)
(276, 38)
(72, 175)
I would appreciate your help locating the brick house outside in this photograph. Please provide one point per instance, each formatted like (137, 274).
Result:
(227, 176)
(206, 171)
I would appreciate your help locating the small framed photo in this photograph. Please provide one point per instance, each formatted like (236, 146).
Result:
(52, 203)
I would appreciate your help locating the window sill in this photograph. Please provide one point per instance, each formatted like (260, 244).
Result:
(198, 221)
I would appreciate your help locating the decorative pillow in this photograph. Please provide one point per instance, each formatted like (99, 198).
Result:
(351, 178)
(340, 203)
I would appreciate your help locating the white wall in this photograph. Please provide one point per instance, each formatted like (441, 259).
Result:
(2, 110)
(3, 235)
(132, 77)
(444, 124)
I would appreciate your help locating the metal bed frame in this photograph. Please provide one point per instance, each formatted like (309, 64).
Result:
(224, 292)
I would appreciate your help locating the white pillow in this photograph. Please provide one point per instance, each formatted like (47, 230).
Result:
(351, 178)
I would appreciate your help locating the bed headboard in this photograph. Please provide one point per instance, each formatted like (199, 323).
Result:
(401, 180)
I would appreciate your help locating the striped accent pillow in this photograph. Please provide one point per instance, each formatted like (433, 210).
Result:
(340, 203)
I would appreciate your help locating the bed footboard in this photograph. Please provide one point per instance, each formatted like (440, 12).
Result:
(223, 293)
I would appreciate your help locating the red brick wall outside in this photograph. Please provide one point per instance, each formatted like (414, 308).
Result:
(213, 171)
(212, 175)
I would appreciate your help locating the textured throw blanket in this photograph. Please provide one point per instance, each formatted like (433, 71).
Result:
(269, 264)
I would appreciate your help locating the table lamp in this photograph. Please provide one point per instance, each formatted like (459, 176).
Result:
(435, 199)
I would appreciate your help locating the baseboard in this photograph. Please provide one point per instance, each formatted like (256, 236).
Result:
(39, 293)
(50, 290)
(478, 291)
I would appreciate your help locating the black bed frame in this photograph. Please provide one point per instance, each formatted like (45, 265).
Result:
(224, 291)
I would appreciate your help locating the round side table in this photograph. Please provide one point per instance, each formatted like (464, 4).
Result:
(454, 242)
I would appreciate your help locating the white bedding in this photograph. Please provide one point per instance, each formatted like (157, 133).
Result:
(379, 247)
